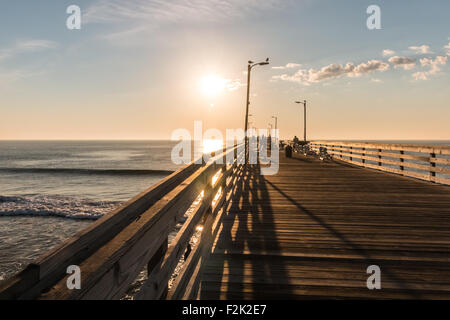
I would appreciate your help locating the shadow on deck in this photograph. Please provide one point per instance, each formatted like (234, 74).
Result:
(312, 230)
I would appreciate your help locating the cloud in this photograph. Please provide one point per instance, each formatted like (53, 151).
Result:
(420, 76)
(447, 48)
(440, 60)
(423, 49)
(403, 62)
(350, 70)
(333, 71)
(173, 11)
(10, 75)
(388, 52)
(434, 67)
(287, 66)
(136, 19)
(232, 85)
(26, 46)
(371, 66)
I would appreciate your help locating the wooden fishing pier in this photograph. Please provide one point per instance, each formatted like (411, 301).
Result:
(308, 232)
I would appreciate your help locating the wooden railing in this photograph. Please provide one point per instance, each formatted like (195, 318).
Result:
(114, 250)
(427, 162)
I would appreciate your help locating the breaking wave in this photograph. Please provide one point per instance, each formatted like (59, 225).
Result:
(56, 206)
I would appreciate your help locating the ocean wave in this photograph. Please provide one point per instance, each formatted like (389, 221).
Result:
(56, 206)
(122, 172)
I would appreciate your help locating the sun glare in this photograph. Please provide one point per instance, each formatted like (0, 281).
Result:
(212, 85)
(211, 145)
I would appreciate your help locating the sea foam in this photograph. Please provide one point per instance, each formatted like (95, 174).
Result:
(57, 206)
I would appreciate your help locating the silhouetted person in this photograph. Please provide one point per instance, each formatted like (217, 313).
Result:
(288, 151)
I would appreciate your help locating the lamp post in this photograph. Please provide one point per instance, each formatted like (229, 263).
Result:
(251, 64)
(270, 132)
(276, 122)
(304, 117)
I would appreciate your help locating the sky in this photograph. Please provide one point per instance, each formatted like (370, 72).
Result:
(140, 69)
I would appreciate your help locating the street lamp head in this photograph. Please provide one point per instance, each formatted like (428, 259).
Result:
(251, 63)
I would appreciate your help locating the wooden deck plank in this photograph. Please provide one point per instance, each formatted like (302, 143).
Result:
(312, 230)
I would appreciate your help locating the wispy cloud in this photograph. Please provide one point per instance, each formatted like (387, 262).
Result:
(403, 62)
(26, 46)
(10, 74)
(333, 71)
(423, 49)
(388, 52)
(287, 66)
(158, 11)
(434, 67)
(8, 77)
(232, 85)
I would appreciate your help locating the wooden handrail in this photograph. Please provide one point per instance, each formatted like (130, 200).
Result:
(429, 160)
(437, 149)
(116, 248)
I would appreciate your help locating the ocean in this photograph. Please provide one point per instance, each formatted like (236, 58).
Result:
(50, 190)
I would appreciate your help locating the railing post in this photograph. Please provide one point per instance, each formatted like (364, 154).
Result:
(432, 167)
(224, 156)
(257, 149)
(203, 159)
(363, 155)
(351, 152)
(235, 162)
(379, 157)
(155, 262)
(224, 169)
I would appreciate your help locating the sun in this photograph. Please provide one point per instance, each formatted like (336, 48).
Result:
(212, 85)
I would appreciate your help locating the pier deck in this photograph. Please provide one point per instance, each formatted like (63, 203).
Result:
(312, 230)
